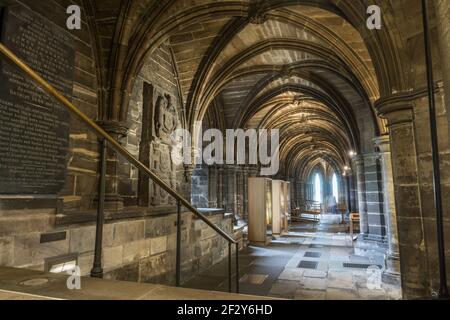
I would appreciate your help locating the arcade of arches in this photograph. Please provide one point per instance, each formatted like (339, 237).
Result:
(351, 105)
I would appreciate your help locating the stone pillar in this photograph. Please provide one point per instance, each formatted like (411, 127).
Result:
(212, 187)
(354, 193)
(245, 196)
(239, 192)
(185, 188)
(399, 112)
(350, 188)
(220, 183)
(303, 192)
(442, 8)
(376, 221)
(113, 199)
(345, 193)
(231, 204)
(358, 165)
(200, 187)
(392, 272)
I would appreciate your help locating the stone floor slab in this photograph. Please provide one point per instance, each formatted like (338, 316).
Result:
(340, 280)
(254, 278)
(341, 294)
(291, 274)
(285, 288)
(314, 283)
(315, 274)
(304, 294)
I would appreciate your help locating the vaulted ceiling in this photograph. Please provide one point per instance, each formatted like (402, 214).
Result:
(310, 68)
(300, 69)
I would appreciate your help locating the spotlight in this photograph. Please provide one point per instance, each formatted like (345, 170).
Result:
(352, 153)
(346, 168)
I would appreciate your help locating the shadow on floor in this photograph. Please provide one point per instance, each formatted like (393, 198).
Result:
(312, 262)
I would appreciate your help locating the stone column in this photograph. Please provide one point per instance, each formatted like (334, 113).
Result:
(293, 190)
(303, 191)
(220, 203)
(358, 165)
(185, 188)
(239, 192)
(245, 196)
(354, 193)
(113, 199)
(392, 272)
(411, 239)
(377, 230)
(442, 8)
(212, 187)
(350, 188)
(231, 204)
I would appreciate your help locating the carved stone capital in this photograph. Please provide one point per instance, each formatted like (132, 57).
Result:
(394, 103)
(383, 143)
(114, 128)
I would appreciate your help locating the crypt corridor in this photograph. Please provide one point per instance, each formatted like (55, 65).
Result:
(351, 106)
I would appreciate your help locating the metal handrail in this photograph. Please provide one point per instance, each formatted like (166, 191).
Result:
(115, 145)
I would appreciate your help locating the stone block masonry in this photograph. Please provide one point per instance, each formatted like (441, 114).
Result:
(136, 249)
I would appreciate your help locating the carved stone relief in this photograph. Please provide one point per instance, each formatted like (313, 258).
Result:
(161, 124)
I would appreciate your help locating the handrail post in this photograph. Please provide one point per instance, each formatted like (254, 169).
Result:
(97, 270)
(237, 267)
(229, 267)
(178, 262)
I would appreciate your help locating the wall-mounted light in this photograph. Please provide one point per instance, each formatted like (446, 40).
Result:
(352, 153)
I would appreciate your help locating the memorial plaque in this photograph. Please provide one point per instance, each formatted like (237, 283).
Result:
(34, 128)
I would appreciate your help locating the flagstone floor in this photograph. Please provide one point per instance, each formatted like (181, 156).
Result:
(312, 262)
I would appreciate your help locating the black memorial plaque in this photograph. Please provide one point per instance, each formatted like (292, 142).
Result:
(34, 128)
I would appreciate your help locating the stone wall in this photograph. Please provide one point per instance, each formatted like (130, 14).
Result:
(408, 118)
(374, 197)
(139, 242)
(151, 254)
(155, 111)
(137, 249)
(200, 188)
(80, 187)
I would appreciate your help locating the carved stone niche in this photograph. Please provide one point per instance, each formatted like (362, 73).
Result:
(160, 120)
(162, 164)
(166, 118)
